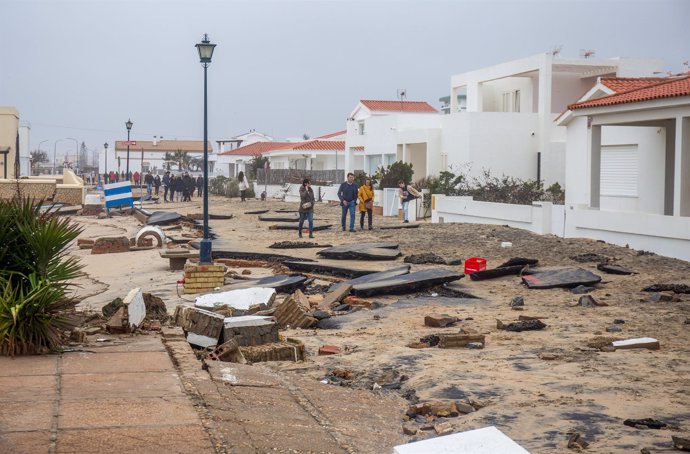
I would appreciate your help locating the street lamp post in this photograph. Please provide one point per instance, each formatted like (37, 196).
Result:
(39, 150)
(129, 128)
(105, 145)
(205, 49)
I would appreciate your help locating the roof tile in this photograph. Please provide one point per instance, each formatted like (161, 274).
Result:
(669, 88)
(399, 106)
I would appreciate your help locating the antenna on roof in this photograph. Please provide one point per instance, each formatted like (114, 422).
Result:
(587, 53)
(402, 95)
(556, 50)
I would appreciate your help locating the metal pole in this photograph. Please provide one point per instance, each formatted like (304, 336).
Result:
(127, 173)
(106, 161)
(141, 181)
(205, 255)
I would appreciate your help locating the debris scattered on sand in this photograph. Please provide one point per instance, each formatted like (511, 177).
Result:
(646, 423)
(523, 325)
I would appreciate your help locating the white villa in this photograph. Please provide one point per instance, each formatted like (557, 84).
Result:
(145, 155)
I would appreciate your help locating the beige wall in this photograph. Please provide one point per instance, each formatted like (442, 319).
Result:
(9, 127)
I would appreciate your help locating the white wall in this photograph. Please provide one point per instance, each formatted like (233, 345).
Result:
(492, 93)
(24, 150)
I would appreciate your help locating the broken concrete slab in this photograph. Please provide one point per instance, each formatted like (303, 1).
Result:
(420, 259)
(581, 289)
(488, 440)
(515, 261)
(282, 283)
(335, 295)
(150, 231)
(223, 249)
(682, 443)
(364, 251)
(201, 340)
(288, 350)
(675, 287)
(399, 226)
(326, 268)
(641, 342)
(294, 313)
(440, 320)
(497, 272)
(406, 283)
(614, 269)
(377, 276)
(135, 308)
(249, 330)
(559, 277)
(228, 352)
(110, 245)
(325, 350)
(257, 212)
(297, 245)
(163, 217)
(287, 217)
(220, 216)
(458, 340)
(522, 325)
(295, 226)
(199, 321)
(241, 299)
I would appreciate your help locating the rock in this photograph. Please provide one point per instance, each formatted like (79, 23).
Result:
(665, 297)
(575, 441)
(642, 342)
(475, 345)
(418, 345)
(590, 257)
(246, 272)
(409, 429)
(443, 428)
(681, 443)
(464, 407)
(619, 321)
(320, 315)
(112, 307)
(439, 320)
(523, 325)
(517, 301)
(646, 423)
(589, 301)
(342, 308)
(614, 329)
(582, 289)
(548, 356)
(431, 340)
(678, 287)
(155, 308)
(614, 269)
(328, 350)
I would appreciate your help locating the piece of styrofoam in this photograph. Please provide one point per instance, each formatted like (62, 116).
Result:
(239, 299)
(201, 341)
(642, 342)
(136, 308)
(488, 440)
(247, 320)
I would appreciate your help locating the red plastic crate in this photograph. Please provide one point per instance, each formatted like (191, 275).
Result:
(474, 264)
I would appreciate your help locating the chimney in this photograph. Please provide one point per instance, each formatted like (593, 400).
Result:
(155, 140)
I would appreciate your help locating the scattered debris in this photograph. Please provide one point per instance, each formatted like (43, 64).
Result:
(488, 440)
(250, 330)
(523, 325)
(618, 321)
(294, 312)
(324, 268)
(646, 423)
(517, 301)
(228, 352)
(256, 212)
(377, 276)
(589, 301)
(679, 287)
(681, 443)
(475, 345)
(518, 261)
(203, 328)
(443, 428)
(642, 342)
(155, 308)
(287, 217)
(581, 289)
(297, 245)
(575, 441)
(288, 350)
(602, 343)
(241, 299)
(459, 340)
(109, 245)
(336, 295)
(282, 283)
(559, 277)
(590, 257)
(150, 232)
(329, 350)
(163, 217)
(420, 259)
(406, 283)
(112, 307)
(363, 251)
(613, 329)
(497, 272)
(662, 297)
(440, 320)
(614, 269)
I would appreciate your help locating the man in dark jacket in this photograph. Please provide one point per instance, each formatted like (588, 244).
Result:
(347, 193)
(187, 188)
(148, 181)
(199, 186)
(166, 186)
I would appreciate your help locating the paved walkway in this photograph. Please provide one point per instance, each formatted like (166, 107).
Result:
(120, 397)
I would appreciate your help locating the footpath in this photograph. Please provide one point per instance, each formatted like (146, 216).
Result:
(131, 395)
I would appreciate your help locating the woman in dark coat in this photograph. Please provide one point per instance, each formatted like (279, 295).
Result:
(306, 207)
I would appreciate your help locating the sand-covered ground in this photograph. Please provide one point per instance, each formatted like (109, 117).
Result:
(536, 386)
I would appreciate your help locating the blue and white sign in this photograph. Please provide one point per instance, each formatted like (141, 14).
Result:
(118, 195)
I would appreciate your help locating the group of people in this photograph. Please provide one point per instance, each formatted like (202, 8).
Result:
(181, 187)
(352, 196)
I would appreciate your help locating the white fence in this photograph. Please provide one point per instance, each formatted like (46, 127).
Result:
(666, 235)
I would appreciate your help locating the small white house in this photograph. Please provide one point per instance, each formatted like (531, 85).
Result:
(628, 165)
(145, 155)
(232, 162)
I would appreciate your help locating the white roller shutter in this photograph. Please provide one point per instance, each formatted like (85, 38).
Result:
(619, 170)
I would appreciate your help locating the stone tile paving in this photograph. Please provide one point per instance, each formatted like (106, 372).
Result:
(123, 397)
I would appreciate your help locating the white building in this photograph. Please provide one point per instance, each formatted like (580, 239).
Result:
(242, 140)
(147, 155)
(501, 119)
(232, 162)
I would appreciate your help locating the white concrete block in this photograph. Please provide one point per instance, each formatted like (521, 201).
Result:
(135, 307)
(488, 440)
(239, 299)
(640, 342)
(201, 341)
(247, 320)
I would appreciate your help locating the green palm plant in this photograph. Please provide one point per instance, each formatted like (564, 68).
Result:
(35, 276)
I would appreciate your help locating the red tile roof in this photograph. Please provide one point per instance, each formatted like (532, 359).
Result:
(669, 88)
(320, 145)
(256, 148)
(333, 134)
(358, 148)
(620, 84)
(399, 106)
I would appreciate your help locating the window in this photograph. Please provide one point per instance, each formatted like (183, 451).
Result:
(619, 170)
(361, 128)
(516, 101)
(510, 101)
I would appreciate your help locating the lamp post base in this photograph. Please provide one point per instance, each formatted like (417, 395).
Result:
(205, 251)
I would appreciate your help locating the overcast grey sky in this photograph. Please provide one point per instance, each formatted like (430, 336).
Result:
(82, 68)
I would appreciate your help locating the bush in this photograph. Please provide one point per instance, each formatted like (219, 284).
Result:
(35, 275)
(391, 175)
(228, 187)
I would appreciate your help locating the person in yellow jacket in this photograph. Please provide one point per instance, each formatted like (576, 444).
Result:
(366, 203)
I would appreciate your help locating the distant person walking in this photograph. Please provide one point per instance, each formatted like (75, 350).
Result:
(365, 194)
(347, 193)
(306, 207)
(199, 186)
(166, 186)
(244, 185)
(157, 183)
(407, 194)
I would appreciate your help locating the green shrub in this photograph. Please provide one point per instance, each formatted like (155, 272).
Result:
(35, 275)
(391, 175)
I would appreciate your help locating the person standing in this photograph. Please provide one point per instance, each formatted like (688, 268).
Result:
(347, 193)
(179, 187)
(244, 185)
(157, 183)
(166, 186)
(306, 207)
(173, 183)
(187, 187)
(365, 194)
(148, 180)
(199, 186)
(407, 194)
